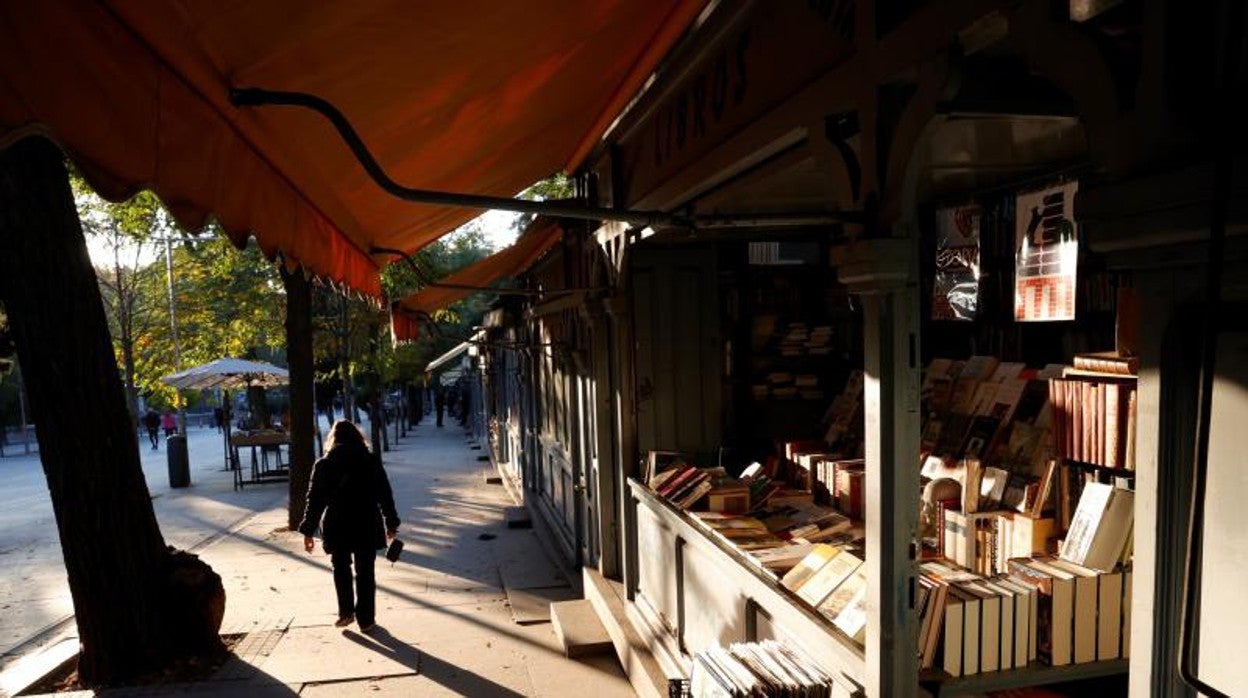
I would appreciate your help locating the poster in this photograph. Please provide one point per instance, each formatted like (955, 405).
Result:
(1046, 254)
(955, 291)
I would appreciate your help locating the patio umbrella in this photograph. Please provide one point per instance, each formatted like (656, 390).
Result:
(227, 373)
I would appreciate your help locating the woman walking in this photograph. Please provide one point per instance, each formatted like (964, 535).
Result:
(350, 488)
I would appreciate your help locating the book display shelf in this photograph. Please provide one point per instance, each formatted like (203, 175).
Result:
(799, 337)
(1027, 465)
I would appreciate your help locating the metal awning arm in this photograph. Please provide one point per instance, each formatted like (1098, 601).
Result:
(252, 97)
(256, 97)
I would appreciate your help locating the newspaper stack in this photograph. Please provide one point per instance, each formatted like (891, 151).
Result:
(767, 668)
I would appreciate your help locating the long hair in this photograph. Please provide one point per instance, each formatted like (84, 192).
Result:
(345, 435)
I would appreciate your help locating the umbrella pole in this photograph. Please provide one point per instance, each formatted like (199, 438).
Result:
(227, 417)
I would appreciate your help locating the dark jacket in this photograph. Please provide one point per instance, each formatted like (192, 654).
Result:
(351, 489)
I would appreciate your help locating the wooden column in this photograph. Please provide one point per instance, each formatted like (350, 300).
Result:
(882, 272)
(608, 497)
(624, 423)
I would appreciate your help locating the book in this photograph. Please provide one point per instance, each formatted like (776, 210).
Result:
(1126, 613)
(849, 491)
(846, 606)
(1111, 537)
(1100, 527)
(1009, 619)
(1085, 521)
(672, 483)
(658, 462)
(682, 489)
(783, 558)
(1109, 616)
(1055, 597)
(1024, 620)
(990, 627)
(1109, 362)
(1087, 588)
(695, 494)
(971, 628)
(827, 578)
(953, 624)
(818, 556)
(933, 618)
(1029, 536)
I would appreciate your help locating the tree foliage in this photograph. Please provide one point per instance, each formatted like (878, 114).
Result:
(451, 325)
(226, 302)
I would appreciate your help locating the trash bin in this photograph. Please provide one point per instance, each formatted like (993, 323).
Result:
(179, 462)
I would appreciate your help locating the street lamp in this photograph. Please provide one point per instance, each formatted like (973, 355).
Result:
(173, 316)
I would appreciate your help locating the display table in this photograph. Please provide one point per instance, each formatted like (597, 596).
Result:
(266, 457)
(695, 590)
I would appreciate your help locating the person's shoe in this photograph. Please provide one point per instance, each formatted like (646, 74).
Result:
(344, 621)
(365, 627)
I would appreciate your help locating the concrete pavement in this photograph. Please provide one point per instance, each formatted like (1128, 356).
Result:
(445, 610)
(35, 605)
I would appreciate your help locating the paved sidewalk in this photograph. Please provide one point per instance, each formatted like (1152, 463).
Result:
(34, 593)
(445, 621)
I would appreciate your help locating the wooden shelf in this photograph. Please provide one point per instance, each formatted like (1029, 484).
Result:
(1096, 467)
(1035, 674)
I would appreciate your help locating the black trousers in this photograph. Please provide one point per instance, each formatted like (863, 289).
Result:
(363, 603)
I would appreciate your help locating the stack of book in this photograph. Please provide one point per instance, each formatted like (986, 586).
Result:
(767, 668)
(1044, 608)
(685, 484)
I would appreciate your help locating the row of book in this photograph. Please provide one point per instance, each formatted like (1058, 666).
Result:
(838, 482)
(1098, 534)
(983, 542)
(1043, 608)
(1094, 418)
(777, 532)
(746, 670)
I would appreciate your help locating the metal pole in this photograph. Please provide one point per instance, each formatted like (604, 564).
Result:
(21, 409)
(173, 324)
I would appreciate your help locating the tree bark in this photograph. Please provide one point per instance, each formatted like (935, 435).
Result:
(138, 607)
(302, 379)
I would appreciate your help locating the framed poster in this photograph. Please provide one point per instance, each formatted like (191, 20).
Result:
(1046, 254)
(955, 291)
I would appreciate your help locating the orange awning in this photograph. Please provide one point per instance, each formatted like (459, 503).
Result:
(469, 96)
(537, 239)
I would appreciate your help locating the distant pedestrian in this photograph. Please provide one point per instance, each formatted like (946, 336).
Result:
(169, 423)
(151, 421)
(350, 488)
(218, 419)
(439, 403)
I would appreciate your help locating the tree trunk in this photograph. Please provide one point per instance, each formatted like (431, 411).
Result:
(302, 378)
(376, 426)
(258, 401)
(138, 607)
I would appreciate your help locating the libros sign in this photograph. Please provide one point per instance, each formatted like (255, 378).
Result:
(779, 49)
